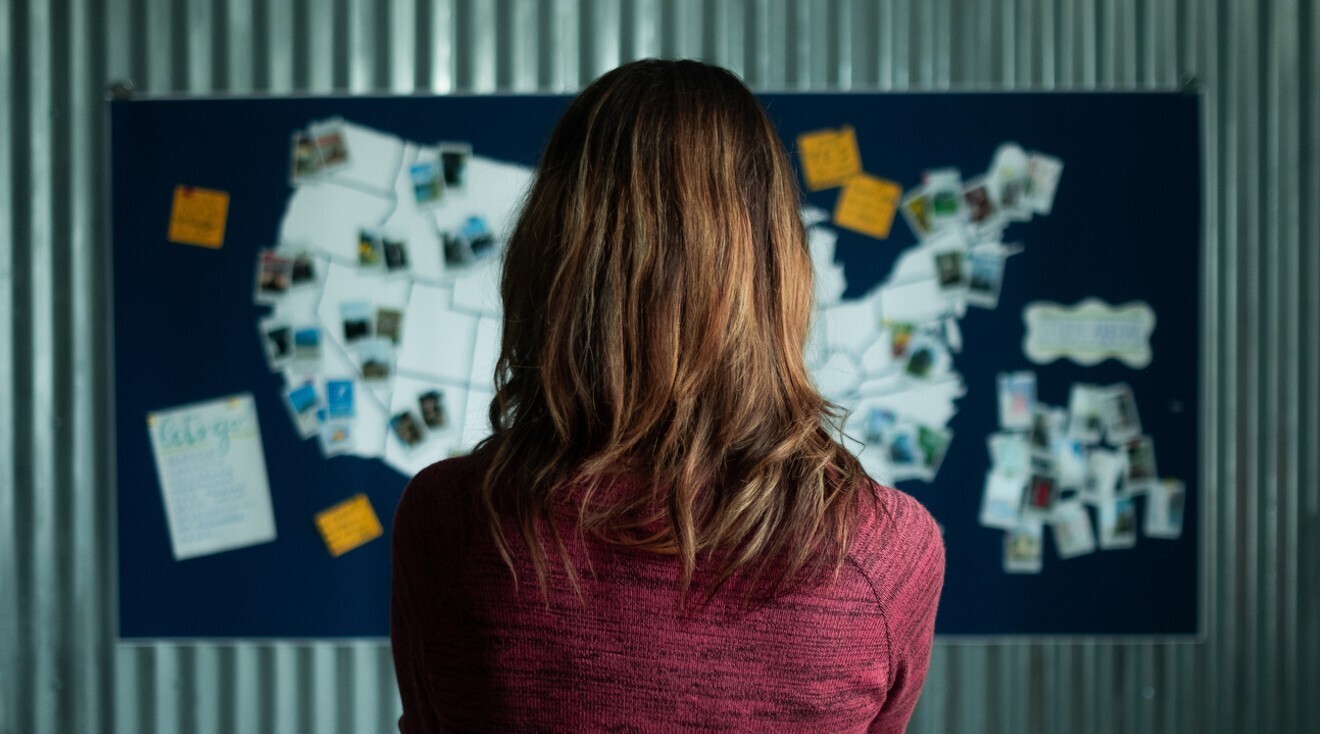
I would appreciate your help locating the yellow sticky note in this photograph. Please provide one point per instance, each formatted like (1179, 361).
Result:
(829, 157)
(867, 205)
(198, 217)
(348, 525)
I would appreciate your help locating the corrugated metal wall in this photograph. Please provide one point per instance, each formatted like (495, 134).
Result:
(1257, 63)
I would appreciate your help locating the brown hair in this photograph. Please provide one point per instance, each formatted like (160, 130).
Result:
(657, 294)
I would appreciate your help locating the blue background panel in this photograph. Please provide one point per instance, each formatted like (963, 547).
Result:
(1125, 226)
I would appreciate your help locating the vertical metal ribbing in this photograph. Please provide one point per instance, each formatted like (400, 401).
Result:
(12, 610)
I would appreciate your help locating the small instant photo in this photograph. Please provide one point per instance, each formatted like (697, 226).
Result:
(357, 320)
(1073, 533)
(1104, 468)
(1165, 507)
(916, 210)
(1118, 523)
(389, 324)
(480, 239)
(1069, 455)
(306, 347)
(933, 444)
(900, 338)
(1042, 180)
(456, 250)
(1042, 493)
(340, 403)
(1085, 421)
(927, 357)
(1009, 454)
(302, 269)
(1139, 475)
(432, 405)
(408, 429)
(377, 358)
(370, 249)
(949, 271)
(396, 254)
(1046, 424)
(274, 276)
(944, 187)
(428, 182)
(1001, 504)
(903, 452)
(1023, 547)
(277, 337)
(336, 435)
(1009, 180)
(1119, 408)
(305, 159)
(331, 144)
(982, 213)
(878, 423)
(454, 164)
(1017, 400)
(303, 404)
(985, 275)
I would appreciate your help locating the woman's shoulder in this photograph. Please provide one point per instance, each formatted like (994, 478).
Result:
(437, 488)
(897, 536)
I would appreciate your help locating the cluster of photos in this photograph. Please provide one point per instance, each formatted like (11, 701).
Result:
(961, 223)
(324, 405)
(1048, 465)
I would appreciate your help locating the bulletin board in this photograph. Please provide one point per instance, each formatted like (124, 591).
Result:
(208, 194)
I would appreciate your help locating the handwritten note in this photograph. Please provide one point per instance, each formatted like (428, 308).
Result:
(867, 205)
(198, 216)
(348, 525)
(1089, 332)
(212, 476)
(829, 157)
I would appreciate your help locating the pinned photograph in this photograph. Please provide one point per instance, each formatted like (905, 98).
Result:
(396, 255)
(454, 164)
(903, 451)
(1009, 454)
(377, 359)
(408, 429)
(1046, 424)
(340, 399)
(1009, 181)
(432, 405)
(428, 182)
(1017, 400)
(1073, 533)
(330, 143)
(357, 321)
(369, 249)
(1139, 475)
(916, 210)
(389, 324)
(1023, 548)
(1119, 408)
(274, 273)
(1085, 422)
(949, 270)
(927, 357)
(1118, 523)
(982, 213)
(302, 270)
(307, 348)
(1164, 509)
(277, 338)
(303, 404)
(1070, 464)
(879, 421)
(480, 238)
(900, 338)
(1042, 181)
(1042, 494)
(933, 444)
(457, 252)
(336, 435)
(985, 275)
(944, 187)
(305, 158)
(1001, 504)
(1104, 468)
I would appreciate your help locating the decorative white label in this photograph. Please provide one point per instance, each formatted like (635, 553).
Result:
(1089, 332)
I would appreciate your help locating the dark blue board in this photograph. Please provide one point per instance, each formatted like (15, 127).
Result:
(1125, 226)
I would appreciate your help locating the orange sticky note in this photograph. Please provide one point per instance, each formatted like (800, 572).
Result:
(198, 217)
(348, 525)
(829, 157)
(867, 205)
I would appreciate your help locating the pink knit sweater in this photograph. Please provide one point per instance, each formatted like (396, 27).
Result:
(471, 654)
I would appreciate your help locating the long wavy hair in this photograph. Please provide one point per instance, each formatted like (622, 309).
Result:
(657, 293)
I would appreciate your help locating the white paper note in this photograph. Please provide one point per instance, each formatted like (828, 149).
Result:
(212, 476)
